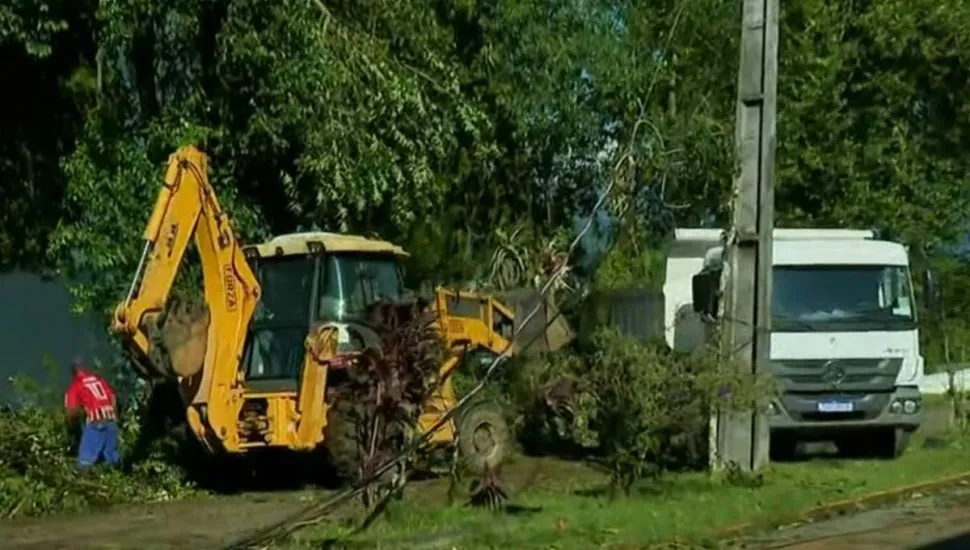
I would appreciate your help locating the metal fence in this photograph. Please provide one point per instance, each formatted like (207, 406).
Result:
(635, 312)
(39, 335)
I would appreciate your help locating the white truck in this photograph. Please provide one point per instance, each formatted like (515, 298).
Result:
(844, 338)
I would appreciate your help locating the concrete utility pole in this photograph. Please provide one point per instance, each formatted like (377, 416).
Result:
(743, 438)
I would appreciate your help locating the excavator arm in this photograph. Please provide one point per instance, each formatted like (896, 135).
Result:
(187, 207)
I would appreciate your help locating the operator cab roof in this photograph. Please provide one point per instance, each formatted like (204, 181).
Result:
(297, 244)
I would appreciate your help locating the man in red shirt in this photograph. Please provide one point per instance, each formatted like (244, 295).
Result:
(91, 395)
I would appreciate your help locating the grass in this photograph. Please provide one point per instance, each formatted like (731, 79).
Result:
(931, 400)
(568, 508)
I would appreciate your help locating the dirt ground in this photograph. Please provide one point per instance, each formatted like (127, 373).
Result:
(202, 523)
(216, 521)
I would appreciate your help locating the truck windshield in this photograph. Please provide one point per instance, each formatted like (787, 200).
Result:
(841, 298)
(353, 281)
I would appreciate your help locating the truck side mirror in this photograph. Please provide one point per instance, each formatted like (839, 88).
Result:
(698, 288)
(704, 289)
(933, 295)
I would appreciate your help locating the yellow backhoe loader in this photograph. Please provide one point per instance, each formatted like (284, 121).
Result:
(254, 366)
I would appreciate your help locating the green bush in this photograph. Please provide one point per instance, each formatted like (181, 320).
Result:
(37, 475)
(636, 406)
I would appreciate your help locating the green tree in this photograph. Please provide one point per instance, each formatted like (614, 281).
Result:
(872, 117)
(313, 116)
(437, 123)
(47, 50)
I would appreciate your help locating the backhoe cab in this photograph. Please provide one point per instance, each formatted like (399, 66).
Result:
(254, 363)
(324, 281)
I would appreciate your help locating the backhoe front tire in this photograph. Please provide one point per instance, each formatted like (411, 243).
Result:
(484, 437)
(340, 441)
(344, 451)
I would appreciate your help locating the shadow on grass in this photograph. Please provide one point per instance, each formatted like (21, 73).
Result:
(960, 542)
(654, 488)
(829, 453)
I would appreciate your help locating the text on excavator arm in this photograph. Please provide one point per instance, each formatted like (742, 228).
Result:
(187, 206)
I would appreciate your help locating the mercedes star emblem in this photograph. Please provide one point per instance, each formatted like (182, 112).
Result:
(833, 373)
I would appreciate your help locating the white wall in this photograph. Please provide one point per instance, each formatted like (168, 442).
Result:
(939, 383)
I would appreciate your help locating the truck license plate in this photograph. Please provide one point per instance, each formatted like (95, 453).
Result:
(835, 406)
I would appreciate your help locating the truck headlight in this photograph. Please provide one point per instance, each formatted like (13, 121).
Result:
(905, 406)
(910, 406)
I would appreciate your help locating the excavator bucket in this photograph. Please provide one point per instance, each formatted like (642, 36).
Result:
(184, 335)
(547, 331)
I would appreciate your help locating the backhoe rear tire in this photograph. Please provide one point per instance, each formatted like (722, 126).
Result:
(484, 437)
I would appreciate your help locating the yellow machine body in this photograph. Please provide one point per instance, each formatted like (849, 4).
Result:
(254, 365)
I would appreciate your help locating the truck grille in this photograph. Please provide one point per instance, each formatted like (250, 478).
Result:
(841, 375)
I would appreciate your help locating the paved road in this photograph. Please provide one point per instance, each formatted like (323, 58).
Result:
(939, 522)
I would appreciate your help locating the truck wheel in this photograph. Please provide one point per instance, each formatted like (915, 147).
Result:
(483, 437)
(783, 446)
(893, 443)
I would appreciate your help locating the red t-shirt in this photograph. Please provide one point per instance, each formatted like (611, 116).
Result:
(92, 392)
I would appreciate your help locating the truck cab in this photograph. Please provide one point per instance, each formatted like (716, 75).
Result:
(844, 337)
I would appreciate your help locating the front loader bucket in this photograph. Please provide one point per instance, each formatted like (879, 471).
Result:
(184, 335)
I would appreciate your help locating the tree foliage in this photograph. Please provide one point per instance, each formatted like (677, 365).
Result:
(37, 472)
(873, 118)
(46, 48)
(636, 406)
(477, 134)
(447, 124)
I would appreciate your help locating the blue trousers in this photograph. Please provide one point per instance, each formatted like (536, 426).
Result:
(98, 440)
